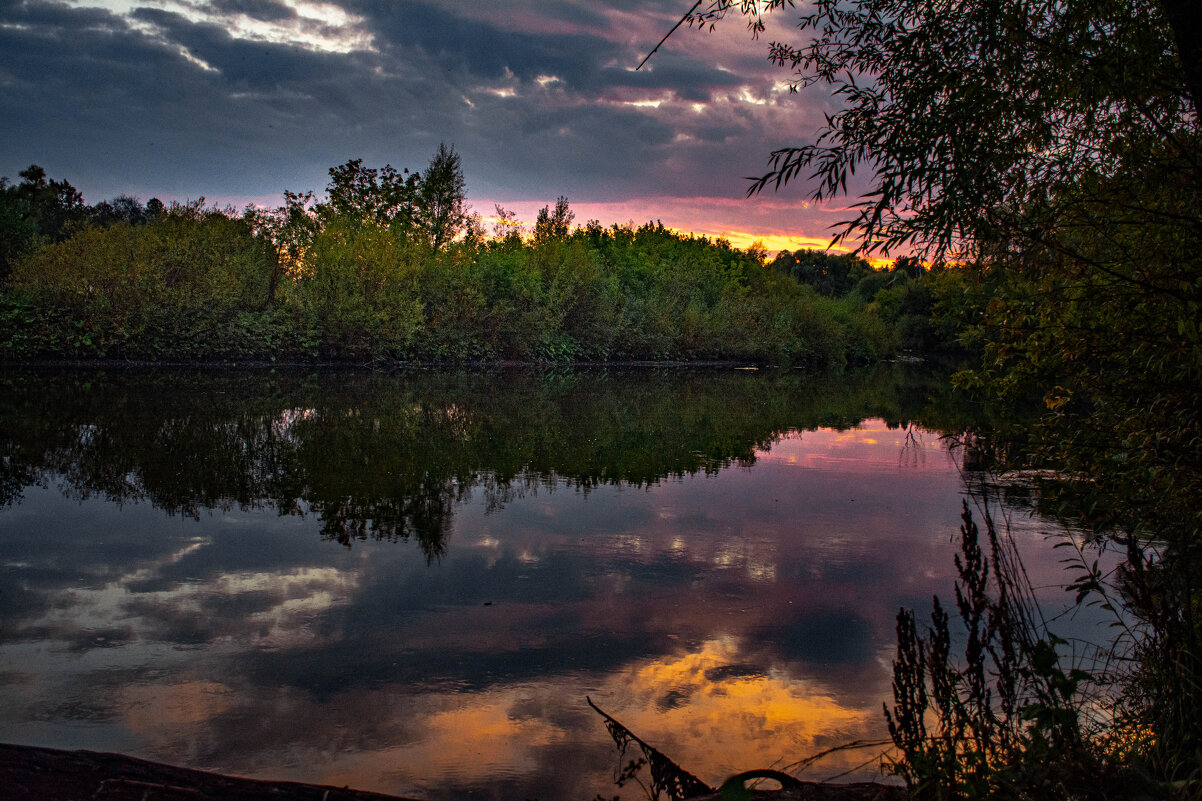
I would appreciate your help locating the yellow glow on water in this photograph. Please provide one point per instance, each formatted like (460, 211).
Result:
(477, 738)
(481, 739)
(703, 708)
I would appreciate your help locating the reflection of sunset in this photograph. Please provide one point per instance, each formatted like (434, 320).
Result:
(706, 708)
(157, 710)
(716, 715)
(869, 447)
(477, 737)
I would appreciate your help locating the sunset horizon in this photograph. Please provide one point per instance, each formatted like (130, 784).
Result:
(239, 101)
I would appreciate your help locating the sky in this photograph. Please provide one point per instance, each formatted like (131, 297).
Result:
(238, 100)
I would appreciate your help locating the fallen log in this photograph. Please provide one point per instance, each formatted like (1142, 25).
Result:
(791, 789)
(41, 774)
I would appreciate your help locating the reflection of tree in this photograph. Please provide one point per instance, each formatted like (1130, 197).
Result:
(424, 516)
(388, 457)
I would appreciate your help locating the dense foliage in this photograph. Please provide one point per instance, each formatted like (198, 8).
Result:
(1054, 148)
(390, 266)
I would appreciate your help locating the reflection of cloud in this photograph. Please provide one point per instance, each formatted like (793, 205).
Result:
(713, 713)
(268, 609)
(465, 739)
(710, 708)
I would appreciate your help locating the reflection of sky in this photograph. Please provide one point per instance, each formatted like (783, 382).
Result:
(738, 620)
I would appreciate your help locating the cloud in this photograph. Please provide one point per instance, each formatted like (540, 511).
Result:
(244, 98)
(267, 10)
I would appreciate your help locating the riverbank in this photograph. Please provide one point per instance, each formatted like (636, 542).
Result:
(38, 774)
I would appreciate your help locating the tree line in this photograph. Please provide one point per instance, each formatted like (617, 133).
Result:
(391, 265)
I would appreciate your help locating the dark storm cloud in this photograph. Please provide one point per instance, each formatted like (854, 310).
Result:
(576, 14)
(55, 19)
(125, 108)
(483, 49)
(584, 63)
(68, 51)
(181, 101)
(242, 63)
(689, 79)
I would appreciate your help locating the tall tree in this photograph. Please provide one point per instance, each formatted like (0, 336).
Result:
(442, 205)
(122, 208)
(1058, 144)
(506, 226)
(551, 225)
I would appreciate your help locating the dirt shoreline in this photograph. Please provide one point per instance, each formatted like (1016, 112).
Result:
(39, 774)
(29, 773)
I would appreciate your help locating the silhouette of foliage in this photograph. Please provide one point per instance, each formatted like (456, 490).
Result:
(387, 457)
(442, 212)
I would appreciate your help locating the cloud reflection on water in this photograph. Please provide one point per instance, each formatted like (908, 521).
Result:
(737, 617)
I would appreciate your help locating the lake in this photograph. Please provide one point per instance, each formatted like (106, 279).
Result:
(410, 582)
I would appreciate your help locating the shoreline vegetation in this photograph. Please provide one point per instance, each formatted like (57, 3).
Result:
(390, 268)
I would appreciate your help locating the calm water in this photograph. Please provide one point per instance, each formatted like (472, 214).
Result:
(410, 583)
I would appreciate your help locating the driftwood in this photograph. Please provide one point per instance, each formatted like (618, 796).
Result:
(791, 789)
(679, 785)
(46, 774)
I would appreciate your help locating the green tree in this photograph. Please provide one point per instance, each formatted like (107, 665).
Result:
(442, 211)
(831, 274)
(507, 227)
(910, 265)
(123, 208)
(961, 115)
(33, 211)
(288, 230)
(383, 197)
(18, 229)
(553, 225)
(52, 204)
(1056, 145)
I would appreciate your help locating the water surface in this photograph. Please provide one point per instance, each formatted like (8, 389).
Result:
(409, 583)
